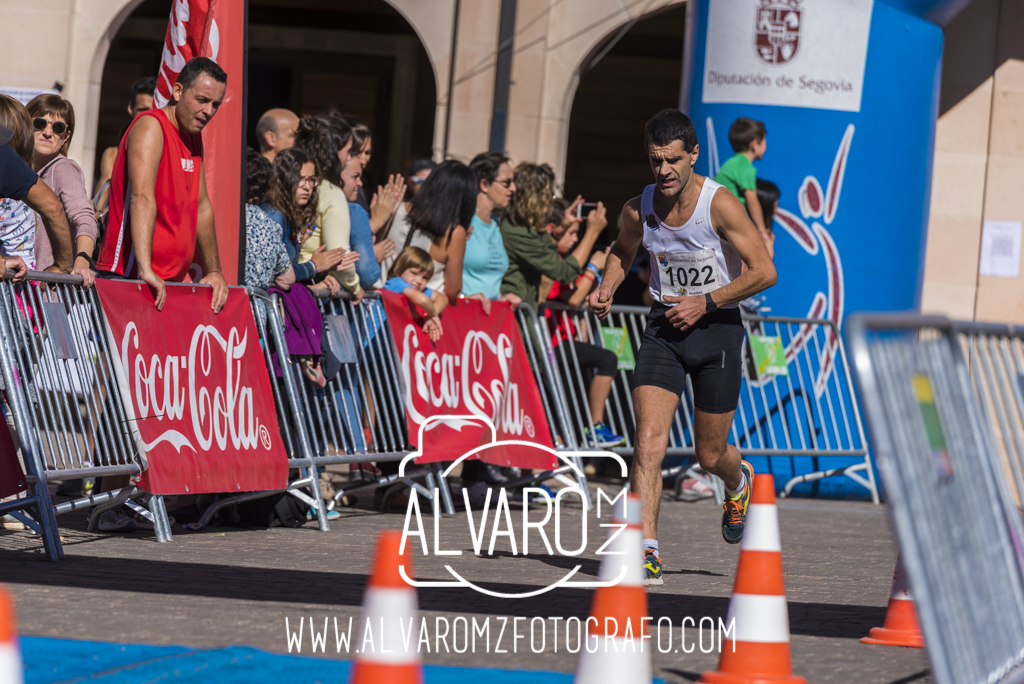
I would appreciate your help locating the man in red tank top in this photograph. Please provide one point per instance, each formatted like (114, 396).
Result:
(159, 209)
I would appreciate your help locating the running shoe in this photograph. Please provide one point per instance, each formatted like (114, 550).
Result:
(652, 569)
(605, 437)
(735, 516)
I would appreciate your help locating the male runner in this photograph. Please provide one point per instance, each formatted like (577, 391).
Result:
(699, 238)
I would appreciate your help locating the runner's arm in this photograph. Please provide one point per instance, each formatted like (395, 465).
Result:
(730, 220)
(620, 258)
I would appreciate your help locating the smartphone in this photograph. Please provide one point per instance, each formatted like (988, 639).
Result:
(584, 209)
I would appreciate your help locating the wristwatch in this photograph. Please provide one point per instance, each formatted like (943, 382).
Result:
(711, 306)
(87, 257)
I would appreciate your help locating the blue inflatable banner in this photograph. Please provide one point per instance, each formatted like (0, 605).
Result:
(848, 92)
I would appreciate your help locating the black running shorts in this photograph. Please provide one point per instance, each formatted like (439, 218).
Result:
(711, 352)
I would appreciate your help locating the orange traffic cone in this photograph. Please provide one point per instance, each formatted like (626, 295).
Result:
(759, 653)
(10, 654)
(900, 627)
(389, 609)
(620, 654)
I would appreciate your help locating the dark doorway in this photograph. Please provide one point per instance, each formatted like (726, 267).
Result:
(359, 57)
(638, 77)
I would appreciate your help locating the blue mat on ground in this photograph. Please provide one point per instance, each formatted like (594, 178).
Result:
(66, 661)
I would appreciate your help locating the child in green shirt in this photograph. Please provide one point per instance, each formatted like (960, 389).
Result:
(749, 140)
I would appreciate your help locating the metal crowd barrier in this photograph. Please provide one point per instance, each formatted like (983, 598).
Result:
(552, 394)
(811, 410)
(995, 357)
(357, 417)
(62, 393)
(940, 444)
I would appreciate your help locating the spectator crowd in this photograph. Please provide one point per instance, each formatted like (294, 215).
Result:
(441, 234)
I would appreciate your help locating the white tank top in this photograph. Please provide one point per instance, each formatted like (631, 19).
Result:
(691, 259)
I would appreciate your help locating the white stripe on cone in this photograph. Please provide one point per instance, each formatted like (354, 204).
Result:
(10, 664)
(392, 616)
(762, 529)
(616, 660)
(625, 545)
(760, 618)
(900, 584)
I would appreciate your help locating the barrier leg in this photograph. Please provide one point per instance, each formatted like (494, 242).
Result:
(161, 523)
(442, 485)
(321, 509)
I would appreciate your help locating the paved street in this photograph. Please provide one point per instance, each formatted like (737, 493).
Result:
(230, 586)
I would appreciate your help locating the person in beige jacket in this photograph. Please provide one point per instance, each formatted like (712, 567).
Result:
(328, 140)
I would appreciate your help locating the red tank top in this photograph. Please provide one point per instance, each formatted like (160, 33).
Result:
(177, 206)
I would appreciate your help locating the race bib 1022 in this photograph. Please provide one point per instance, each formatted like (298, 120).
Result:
(688, 273)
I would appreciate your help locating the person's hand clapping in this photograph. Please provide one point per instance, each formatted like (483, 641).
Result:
(326, 260)
(384, 249)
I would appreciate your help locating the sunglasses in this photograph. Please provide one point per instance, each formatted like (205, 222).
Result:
(312, 181)
(507, 182)
(40, 124)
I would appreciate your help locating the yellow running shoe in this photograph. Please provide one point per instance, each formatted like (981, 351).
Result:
(652, 569)
(735, 516)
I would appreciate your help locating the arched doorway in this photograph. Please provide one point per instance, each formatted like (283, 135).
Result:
(630, 77)
(358, 56)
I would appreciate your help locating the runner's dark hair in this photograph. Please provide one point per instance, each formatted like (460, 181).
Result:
(668, 125)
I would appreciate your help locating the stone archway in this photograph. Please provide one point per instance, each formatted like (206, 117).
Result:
(546, 72)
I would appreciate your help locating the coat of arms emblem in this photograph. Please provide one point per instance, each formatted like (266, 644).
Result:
(777, 31)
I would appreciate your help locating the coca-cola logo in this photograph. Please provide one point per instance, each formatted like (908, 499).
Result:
(205, 385)
(464, 382)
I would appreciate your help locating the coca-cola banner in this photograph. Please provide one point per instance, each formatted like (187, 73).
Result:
(195, 390)
(478, 368)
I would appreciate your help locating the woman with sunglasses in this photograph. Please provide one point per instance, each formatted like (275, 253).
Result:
(292, 203)
(486, 260)
(53, 123)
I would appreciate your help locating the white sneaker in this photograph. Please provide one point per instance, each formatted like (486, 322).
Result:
(116, 521)
(695, 490)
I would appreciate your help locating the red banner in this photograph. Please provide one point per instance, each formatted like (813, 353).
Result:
(478, 368)
(214, 29)
(195, 390)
